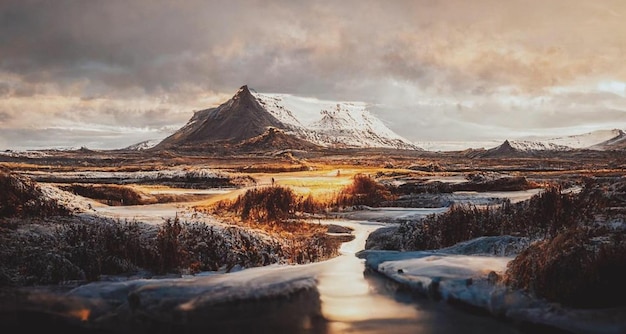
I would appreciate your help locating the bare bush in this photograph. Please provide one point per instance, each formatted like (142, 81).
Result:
(269, 204)
(542, 216)
(364, 190)
(22, 197)
(576, 268)
(108, 194)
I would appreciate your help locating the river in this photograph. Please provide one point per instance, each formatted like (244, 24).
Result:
(347, 297)
(358, 301)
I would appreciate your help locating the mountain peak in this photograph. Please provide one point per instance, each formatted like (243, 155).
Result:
(506, 147)
(248, 115)
(243, 91)
(503, 150)
(237, 119)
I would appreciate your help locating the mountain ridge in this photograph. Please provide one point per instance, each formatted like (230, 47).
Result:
(523, 148)
(249, 115)
(333, 123)
(235, 120)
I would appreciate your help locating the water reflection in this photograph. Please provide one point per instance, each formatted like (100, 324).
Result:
(360, 301)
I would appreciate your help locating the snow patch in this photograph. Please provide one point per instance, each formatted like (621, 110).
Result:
(582, 141)
(143, 145)
(466, 274)
(332, 123)
(135, 175)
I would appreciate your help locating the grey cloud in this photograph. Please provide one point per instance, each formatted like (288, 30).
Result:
(454, 51)
(158, 45)
(5, 116)
(5, 89)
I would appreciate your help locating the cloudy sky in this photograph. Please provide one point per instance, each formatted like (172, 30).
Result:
(107, 74)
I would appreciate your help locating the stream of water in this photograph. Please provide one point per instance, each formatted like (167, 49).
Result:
(353, 299)
(357, 301)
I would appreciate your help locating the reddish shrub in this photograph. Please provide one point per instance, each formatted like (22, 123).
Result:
(22, 197)
(574, 268)
(364, 190)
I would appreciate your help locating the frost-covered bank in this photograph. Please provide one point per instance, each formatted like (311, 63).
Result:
(563, 268)
(92, 241)
(470, 274)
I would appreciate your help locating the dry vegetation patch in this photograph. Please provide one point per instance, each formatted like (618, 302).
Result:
(579, 267)
(579, 254)
(22, 197)
(109, 194)
(78, 250)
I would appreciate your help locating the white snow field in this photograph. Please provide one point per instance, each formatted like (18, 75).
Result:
(590, 140)
(332, 123)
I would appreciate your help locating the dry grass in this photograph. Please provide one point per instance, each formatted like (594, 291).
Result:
(22, 197)
(579, 267)
(323, 182)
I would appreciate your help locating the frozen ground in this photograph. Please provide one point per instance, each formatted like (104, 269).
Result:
(344, 294)
(334, 296)
(389, 214)
(468, 274)
(129, 177)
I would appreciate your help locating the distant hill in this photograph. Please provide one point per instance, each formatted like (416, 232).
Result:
(143, 145)
(618, 142)
(276, 139)
(602, 140)
(298, 123)
(595, 140)
(504, 150)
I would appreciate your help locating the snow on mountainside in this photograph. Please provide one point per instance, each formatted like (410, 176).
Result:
(526, 145)
(616, 143)
(597, 140)
(143, 145)
(332, 123)
(586, 140)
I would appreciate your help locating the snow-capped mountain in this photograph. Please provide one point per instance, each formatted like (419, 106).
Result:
(322, 123)
(143, 145)
(600, 140)
(615, 143)
(592, 140)
(332, 123)
(238, 119)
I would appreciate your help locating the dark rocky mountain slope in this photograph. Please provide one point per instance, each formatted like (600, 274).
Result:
(236, 120)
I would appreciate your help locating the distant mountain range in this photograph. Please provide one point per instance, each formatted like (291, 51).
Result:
(601, 140)
(252, 121)
(282, 121)
(596, 140)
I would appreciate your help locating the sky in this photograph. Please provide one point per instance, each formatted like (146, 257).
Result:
(108, 74)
